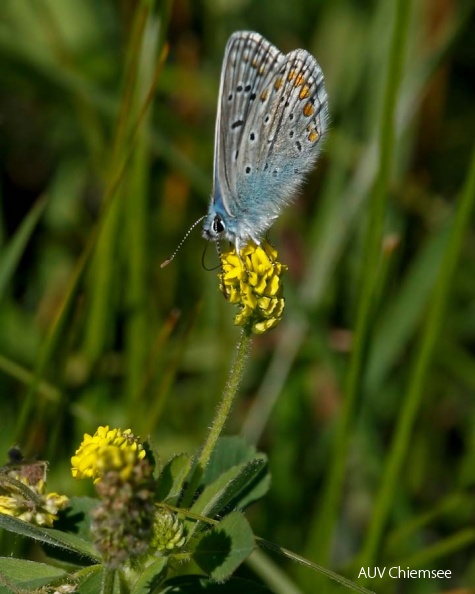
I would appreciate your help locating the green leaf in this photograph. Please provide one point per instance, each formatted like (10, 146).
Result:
(12, 253)
(224, 547)
(230, 451)
(151, 577)
(27, 574)
(50, 536)
(91, 580)
(232, 488)
(195, 584)
(172, 477)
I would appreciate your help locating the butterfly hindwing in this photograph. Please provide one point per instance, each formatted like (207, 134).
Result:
(281, 138)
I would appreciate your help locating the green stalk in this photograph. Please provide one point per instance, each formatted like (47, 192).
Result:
(224, 408)
(415, 391)
(112, 193)
(321, 533)
(102, 307)
(134, 247)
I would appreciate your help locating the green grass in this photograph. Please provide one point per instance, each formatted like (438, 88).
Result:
(363, 397)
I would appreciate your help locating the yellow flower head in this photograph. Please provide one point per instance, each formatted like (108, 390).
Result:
(107, 449)
(23, 496)
(252, 280)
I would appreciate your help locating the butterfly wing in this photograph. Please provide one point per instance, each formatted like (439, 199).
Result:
(272, 114)
(281, 139)
(248, 59)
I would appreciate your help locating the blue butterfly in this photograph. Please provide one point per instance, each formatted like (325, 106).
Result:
(272, 116)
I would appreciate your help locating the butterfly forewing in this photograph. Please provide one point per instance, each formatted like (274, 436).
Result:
(248, 61)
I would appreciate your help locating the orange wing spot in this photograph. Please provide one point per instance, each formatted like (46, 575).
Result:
(254, 63)
(308, 110)
(299, 80)
(261, 70)
(313, 136)
(278, 83)
(304, 92)
(291, 75)
(264, 95)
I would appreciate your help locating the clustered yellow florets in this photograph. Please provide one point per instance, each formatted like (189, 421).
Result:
(252, 280)
(22, 495)
(107, 449)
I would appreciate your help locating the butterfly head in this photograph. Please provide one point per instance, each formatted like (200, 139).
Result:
(218, 223)
(214, 227)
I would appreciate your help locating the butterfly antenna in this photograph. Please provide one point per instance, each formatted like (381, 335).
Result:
(163, 264)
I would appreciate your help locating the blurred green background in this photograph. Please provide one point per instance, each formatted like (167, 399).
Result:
(364, 397)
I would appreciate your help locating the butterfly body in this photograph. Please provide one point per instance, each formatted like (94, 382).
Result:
(272, 115)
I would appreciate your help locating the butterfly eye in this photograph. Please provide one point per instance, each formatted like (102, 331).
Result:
(218, 225)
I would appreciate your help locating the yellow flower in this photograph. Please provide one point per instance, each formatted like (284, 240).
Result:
(22, 494)
(105, 450)
(42, 511)
(252, 280)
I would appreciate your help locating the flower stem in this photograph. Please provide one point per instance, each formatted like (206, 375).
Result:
(222, 413)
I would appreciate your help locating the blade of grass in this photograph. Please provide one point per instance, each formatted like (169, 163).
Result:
(407, 531)
(448, 546)
(415, 391)
(12, 253)
(271, 574)
(138, 338)
(25, 376)
(315, 567)
(403, 314)
(103, 301)
(321, 533)
(148, 419)
(57, 327)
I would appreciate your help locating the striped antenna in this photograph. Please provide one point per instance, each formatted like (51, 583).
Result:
(163, 264)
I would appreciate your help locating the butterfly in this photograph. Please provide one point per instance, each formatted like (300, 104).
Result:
(272, 116)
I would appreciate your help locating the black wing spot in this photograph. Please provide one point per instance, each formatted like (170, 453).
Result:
(252, 136)
(236, 124)
(248, 169)
(230, 97)
(236, 154)
(291, 134)
(247, 88)
(239, 88)
(252, 96)
(266, 120)
(266, 166)
(275, 172)
(298, 144)
(291, 116)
